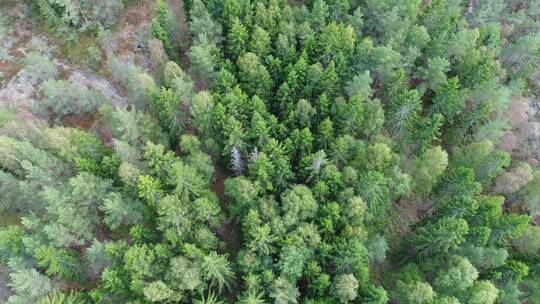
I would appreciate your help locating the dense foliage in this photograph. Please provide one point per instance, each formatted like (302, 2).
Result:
(66, 16)
(339, 151)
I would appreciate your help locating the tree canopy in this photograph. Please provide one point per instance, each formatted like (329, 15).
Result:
(276, 151)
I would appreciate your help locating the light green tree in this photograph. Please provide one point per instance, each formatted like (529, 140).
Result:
(346, 288)
(217, 270)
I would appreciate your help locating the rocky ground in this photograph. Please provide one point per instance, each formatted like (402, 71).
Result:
(21, 34)
(16, 89)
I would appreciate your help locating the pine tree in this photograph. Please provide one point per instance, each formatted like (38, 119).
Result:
(237, 39)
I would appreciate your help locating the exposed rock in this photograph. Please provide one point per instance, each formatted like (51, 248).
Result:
(98, 83)
(19, 91)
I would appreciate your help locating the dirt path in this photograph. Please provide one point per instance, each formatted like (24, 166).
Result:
(229, 231)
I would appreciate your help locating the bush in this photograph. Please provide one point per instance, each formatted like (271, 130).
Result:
(39, 67)
(64, 98)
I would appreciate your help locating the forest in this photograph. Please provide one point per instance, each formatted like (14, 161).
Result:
(270, 151)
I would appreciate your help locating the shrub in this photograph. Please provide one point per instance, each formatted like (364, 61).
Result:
(63, 98)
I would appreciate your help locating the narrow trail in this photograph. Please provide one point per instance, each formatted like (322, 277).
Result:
(229, 230)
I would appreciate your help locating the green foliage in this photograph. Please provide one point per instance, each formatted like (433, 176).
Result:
(158, 292)
(459, 276)
(118, 211)
(28, 285)
(11, 242)
(202, 58)
(360, 85)
(298, 205)
(61, 298)
(283, 292)
(237, 39)
(97, 256)
(216, 269)
(403, 112)
(346, 286)
(482, 158)
(323, 152)
(136, 128)
(291, 262)
(427, 168)
(201, 23)
(92, 156)
(81, 198)
(253, 75)
(159, 33)
(416, 293)
(441, 236)
(63, 98)
(163, 28)
(210, 299)
(59, 262)
(138, 83)
(149, 189)
(378, 246)
(434, 73)
(483, 292)
(82, 15)
(39, 67)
